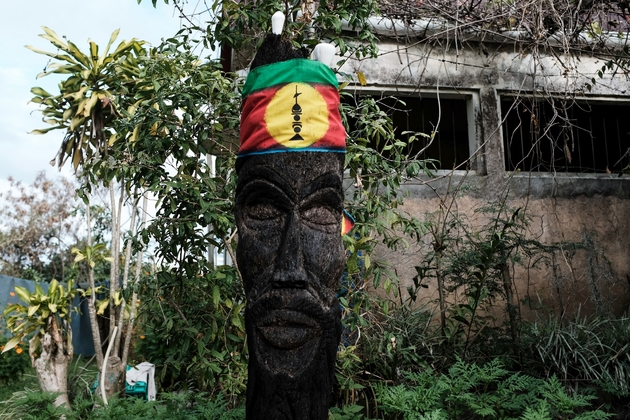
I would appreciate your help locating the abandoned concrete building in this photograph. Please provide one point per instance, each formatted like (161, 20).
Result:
(527, 100)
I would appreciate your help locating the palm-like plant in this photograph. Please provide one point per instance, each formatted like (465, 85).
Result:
(44, 316)
(86, 104)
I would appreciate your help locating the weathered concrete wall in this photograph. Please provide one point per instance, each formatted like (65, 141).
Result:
(595, 277)
(593, 210)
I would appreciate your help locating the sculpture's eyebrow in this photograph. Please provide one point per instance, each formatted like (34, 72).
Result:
(268, 175)
(326, 180)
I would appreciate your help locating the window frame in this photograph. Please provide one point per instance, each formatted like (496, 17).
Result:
(472, 103)
(593, 100)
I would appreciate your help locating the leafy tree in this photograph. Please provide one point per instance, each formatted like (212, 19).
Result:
(187, 109)
(87, 104)
(83, 107)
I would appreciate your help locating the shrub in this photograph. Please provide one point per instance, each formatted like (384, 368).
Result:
(33, 405)
(195, 335)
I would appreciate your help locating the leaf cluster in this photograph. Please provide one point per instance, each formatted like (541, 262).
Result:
(241, 25)
(36, 405)
(378, 164)
(84, 106)
(13, 364)
(595, 349)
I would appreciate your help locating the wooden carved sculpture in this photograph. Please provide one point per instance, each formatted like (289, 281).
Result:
(289, 214)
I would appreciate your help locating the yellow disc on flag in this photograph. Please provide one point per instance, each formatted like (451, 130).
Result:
(297, 116)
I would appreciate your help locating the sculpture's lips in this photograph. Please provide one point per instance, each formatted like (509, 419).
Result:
(288, 329)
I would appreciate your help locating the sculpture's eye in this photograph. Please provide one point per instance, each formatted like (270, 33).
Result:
(263, 211)
(322, 210)
(321, 215)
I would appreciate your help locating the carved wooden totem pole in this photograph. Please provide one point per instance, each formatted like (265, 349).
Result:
(290, 219)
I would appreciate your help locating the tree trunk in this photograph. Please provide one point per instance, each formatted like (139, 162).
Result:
(96, 335)
(114, 377)
(115, 254)
(134, 297)
(52, 365)
(115, 373)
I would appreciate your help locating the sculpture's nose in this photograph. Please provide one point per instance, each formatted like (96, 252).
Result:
(289, 269)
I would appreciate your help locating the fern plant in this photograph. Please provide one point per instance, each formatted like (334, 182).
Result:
(475, 391)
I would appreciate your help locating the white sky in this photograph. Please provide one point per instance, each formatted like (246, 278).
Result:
(22, 155)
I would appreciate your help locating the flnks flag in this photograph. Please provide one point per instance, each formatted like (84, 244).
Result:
(291, 106)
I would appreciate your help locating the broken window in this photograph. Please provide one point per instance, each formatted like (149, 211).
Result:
(574, 137)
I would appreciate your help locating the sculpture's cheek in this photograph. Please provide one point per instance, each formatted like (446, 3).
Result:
(323, 256)
(256, 256)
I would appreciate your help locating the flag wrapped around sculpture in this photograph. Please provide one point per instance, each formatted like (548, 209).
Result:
(291, 106)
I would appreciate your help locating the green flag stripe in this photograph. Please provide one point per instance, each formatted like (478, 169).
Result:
(296, 70)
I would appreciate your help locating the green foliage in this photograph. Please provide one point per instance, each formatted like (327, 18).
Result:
(403, 346)
(472, 263)
(33, 405)
(394, 335)
(487, 391)
(201, 407)
(347, 412)
(83, 107)
(398, 339)
(378, 165)
(348, 363)
(183, 109)
(240, 25)
(81, 375)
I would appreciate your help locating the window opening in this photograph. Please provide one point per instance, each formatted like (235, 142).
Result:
(546, 136)
(450, 147)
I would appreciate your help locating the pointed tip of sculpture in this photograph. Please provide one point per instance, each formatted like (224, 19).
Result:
(324, 53)
(277, 23)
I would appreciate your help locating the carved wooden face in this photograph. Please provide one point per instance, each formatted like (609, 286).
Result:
(290, 253)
